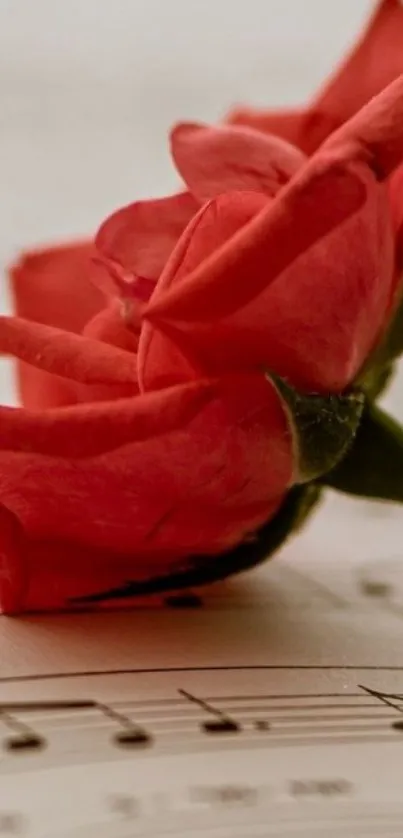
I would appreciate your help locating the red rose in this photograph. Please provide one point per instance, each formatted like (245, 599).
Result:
(168, 433)
(373, 63)
(259, 152)
(202, 452)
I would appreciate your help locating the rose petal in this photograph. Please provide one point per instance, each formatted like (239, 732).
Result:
(140, 237)
(373, 64)
(306, 128)
(48, 574)
(375, 134)
(115, 282)
(326, 193)
(110, 326)
(39, 390)
(161, 359)
(197, 489)
(72, 356)
(282, 123)
(83, 431)
(396, 201)
(316, 323)
(219, 159)
(54, 286)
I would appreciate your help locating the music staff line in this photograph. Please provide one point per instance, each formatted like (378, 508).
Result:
(178, 670)
(312, 717)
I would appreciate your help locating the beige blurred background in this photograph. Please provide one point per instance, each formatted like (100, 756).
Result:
(89, 89)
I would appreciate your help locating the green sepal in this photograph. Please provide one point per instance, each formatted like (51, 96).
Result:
(373, 467)
(377, 379)
(310, 499)
(204, 570)
(380, 365)
(323, 428)
(391, 345)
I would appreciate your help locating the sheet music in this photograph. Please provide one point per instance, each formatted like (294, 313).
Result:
(273, 707)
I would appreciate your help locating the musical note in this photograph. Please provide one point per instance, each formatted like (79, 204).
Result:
(289, 720)
(389, 699)
(130, 734)
(221, 721)
(128, 711)
(26, 739)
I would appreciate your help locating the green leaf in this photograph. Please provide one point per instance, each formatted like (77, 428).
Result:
(323, 428)
(373, 467)
(203, 570)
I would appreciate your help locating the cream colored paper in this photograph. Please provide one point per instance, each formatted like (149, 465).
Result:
(272, 710)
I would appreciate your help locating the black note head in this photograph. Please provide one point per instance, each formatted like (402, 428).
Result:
(24, 743)
(132, 738)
